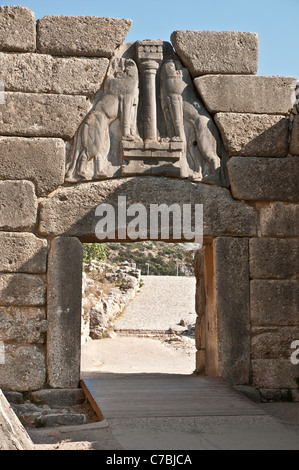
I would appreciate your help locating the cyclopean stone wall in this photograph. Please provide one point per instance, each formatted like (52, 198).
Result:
(188, 124)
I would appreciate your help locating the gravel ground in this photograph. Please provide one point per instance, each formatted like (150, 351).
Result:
(160, 305)
(162, 302)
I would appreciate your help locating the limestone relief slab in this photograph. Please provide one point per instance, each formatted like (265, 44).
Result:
(147, 119)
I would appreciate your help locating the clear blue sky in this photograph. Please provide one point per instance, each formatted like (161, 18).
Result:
(276, 22)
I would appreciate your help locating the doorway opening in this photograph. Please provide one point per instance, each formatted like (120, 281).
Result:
(138, 308)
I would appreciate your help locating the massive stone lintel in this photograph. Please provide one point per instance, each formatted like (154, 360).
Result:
(71, 211)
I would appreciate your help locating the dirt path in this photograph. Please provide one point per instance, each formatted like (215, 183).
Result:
(161, 303)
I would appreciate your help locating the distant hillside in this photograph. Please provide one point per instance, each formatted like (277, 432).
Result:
(155, 258)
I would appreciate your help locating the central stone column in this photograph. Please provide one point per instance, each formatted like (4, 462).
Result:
(149, 155)
(150, 56)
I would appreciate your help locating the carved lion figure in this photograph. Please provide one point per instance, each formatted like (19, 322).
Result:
(179, 104)
(118, 100)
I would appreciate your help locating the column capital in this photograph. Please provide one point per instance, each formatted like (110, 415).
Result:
(151, 50)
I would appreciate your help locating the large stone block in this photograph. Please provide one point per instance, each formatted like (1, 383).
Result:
(22, 325)
(37, 159)
(217, 52)
(64, 312)
(247, 94)
(34, 115)
(254, 135)
(17, 29)
(272, 258)
(41, 73)
(13, 435)
(274, 302)
(23, 253)
(24, 368)
(71, 211)
(294, 144)
(260, 179)
(78, 76)
(279, 219)
(22, 290)
(273, 342)
(98, 36)
(18, 205)
(231, 283)
(274, 373)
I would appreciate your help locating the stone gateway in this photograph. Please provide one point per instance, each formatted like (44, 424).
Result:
(91, 120)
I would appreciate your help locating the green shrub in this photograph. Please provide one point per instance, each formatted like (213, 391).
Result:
(96, 251)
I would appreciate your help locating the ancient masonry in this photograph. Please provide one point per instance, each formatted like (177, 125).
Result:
(88, 118)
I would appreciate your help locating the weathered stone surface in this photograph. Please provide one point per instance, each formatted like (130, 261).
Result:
(217, 52)
(17, 29)
(294, 145)
(254, 135)
(64, 312)
(60, 397)
(98, 36)
(232, 300)
(250, 392)
(200, 333)
(13, 435)
(24, 368)
(29, 114)
(274, 302)
(18, 205)
(37, 159)
(279, 219)
(278, 394)
(247, 94)
(14, 397)
(22, 290)
(71, 211)
(22, 325)
(274, 373)
(200, 362)
(78, 76)
(273, 342)
(258, 179)
(41, 73)
(23, 253)
(272, 258)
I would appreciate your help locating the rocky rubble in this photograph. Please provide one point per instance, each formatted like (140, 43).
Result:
(50, 408)
(13, 435)
(107, 290)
